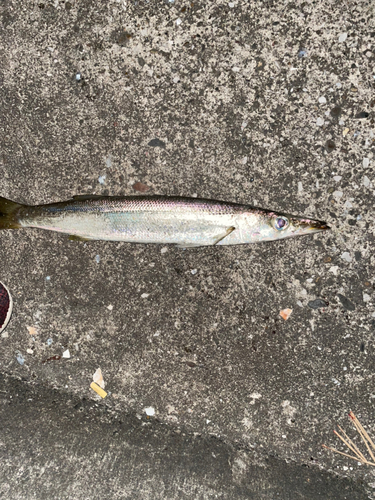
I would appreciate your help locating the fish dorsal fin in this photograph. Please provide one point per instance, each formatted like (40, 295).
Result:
(75, 237)
(85, 197)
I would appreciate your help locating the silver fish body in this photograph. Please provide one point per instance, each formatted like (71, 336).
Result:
(186, 222)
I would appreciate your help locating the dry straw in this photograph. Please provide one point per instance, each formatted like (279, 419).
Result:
(359, 456)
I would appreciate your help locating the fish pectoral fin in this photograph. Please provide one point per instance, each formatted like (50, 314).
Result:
(208, 243)
(75, 237)
(227, 233)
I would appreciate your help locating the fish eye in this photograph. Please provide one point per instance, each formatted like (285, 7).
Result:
(281, 223)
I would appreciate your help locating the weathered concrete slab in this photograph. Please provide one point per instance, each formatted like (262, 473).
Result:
(264, 103)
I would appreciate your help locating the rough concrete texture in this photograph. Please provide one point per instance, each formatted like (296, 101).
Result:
(267, 103)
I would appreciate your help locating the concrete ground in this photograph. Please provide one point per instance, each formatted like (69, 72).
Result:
(211, 393)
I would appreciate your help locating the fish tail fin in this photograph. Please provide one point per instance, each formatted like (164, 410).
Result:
(9, 218)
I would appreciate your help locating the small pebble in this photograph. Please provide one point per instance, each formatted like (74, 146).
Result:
(150, 411)
(178, 21)
(317, 304)
(110, 307)
(343, 37)
(231, 5)
(302, 53)
(4, 335)
(322, 100)
(366, 181)
(20, 358)
(29, 351)
(366, 162)
(320, 122)
(330, 146)
(97, 259)
(101, 179)
(194, 271)
(78, 77)
(346, 303)
(66, 354)
(346, 256)
(144, 295)
(336, 111)
(345, 131)
(338, 194)
(49, 342)
(337, 178)
(164, 250)
(366, 297)
(361, 115)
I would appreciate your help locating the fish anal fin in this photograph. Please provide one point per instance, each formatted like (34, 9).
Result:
(227, 233)
(75, 237)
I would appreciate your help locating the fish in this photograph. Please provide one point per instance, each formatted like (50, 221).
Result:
(185, 222)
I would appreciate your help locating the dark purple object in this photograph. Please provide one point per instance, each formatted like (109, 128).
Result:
(6, 306)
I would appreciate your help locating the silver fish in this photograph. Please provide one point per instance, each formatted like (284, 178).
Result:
(186, 222)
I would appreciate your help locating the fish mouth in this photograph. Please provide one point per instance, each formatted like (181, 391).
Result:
(313, 225)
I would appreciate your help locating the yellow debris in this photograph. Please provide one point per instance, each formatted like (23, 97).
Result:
(345, 131)
(32, 330)
(98, 390)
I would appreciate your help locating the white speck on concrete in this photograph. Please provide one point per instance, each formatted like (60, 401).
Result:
(97, 259)
(343, 37)
(66, 354)
(208, 421)
(78, 77)
(150, 411)
(49, 342)
(244, 160)
(20, 358)
(178, 21)
(320, 121)
(144, 295)
(348, 204)
(235, 69)
(337, 178)
(243, 125)
(101, 179)
(300, 187)
(334, 270)
(366, 181)
(366, 297)
(194, 195)
(231, 5)
(194, 271)
(110, 307)
(176, 79)
(299, 303)
(48, 278)
(29, 351)
(4, 335)
(322, 100)
(164, 250)
(338, 194)
(283, 436)
(108, 161)
(98, 378)
(366, 162)
(346, 256)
